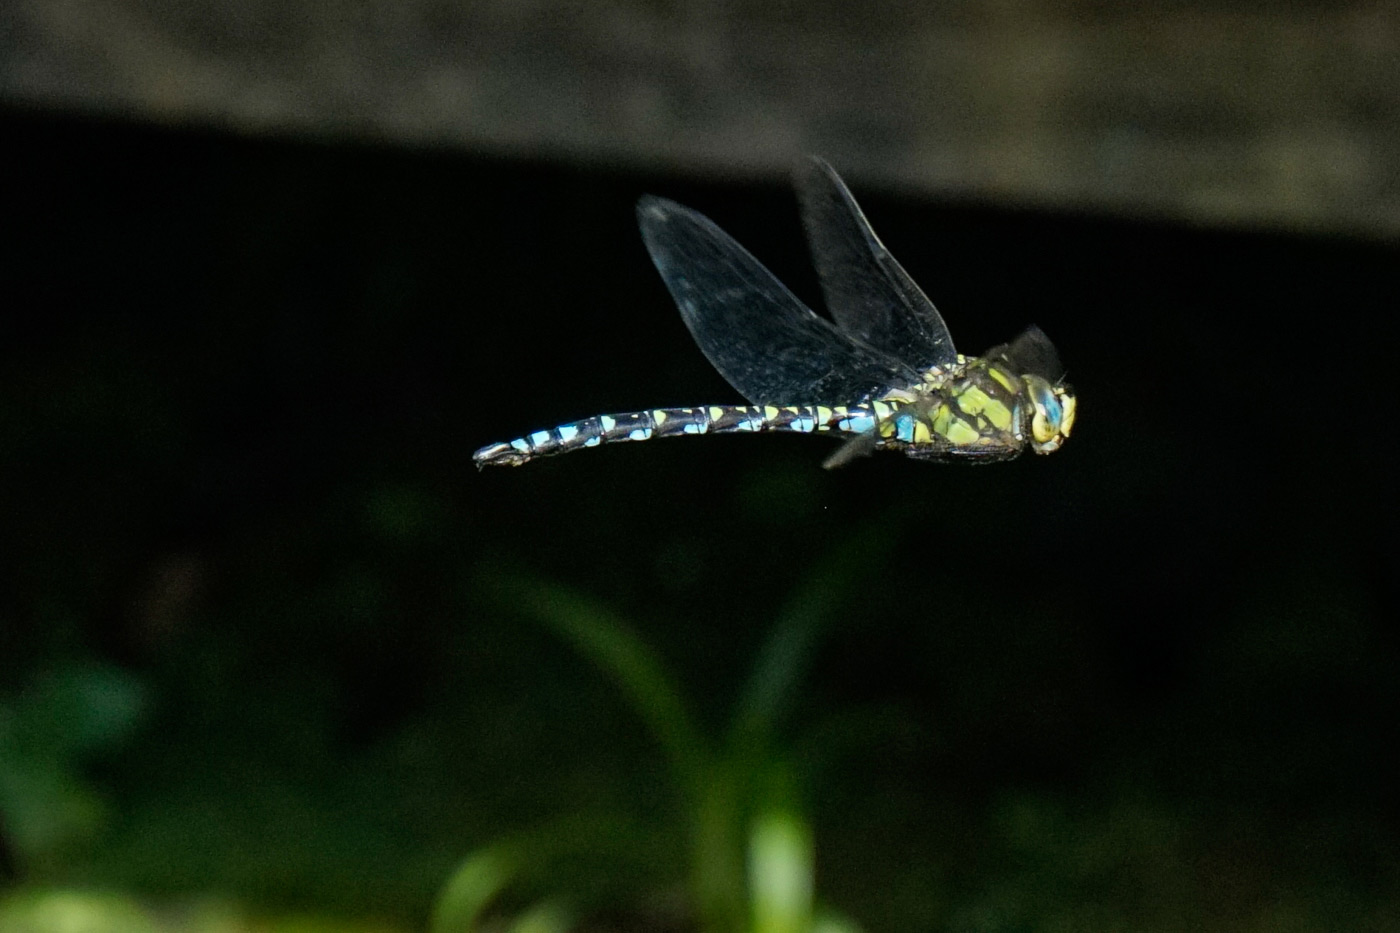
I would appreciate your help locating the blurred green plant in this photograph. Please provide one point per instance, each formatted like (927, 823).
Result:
(68, 715)
(751, 850)
(65, 911)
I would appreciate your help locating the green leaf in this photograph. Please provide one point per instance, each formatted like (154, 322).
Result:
(472, 888)
(606, 640)
(788, 650)
(780, 872)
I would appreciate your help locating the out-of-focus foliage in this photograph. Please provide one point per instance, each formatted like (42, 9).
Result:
(738, 809)
(69, 715)
(74, 912)
(78, 911)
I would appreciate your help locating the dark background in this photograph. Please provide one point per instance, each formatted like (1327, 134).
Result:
(1145, 683)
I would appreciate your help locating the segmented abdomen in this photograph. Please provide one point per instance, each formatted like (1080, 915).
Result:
(676, 422)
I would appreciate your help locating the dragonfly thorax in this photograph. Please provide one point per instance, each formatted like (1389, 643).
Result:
(981, 409)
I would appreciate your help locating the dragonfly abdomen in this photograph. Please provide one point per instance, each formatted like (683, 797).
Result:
(678, 422)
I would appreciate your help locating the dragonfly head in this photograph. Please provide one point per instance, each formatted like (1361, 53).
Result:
(1052, 413)
(1052, 403)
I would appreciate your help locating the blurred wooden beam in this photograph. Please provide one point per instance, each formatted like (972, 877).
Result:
(1282, 115)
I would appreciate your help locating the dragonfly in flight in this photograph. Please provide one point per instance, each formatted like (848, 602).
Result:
(882, 371)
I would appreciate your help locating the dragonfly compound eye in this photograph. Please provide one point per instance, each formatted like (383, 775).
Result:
(1053, 414)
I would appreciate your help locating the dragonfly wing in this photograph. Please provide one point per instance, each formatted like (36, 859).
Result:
(867, 291)
(853, 448)
(1034, 354)
(765, 342)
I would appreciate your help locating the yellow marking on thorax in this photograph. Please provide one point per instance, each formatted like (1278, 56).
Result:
(949, 425)
(974, 401)
(941, 418)
(961, 433)
(1008, 382)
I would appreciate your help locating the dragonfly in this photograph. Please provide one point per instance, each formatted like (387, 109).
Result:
(882, 371)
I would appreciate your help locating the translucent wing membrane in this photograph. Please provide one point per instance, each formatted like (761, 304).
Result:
(867, 291)
(766, 343)
(1032, 353)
